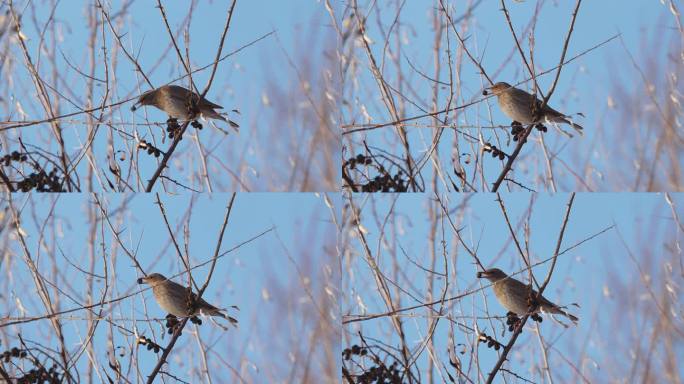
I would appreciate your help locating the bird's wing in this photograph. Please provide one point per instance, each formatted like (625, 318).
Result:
(519, 93)
(179, 93)
(522, 95)
(550, 111)
(544, 301)
(207, 103)
(203, 303)
(182, 94)
(518, 285)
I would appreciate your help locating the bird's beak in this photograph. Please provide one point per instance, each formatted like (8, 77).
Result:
(482, 274)
(486, 92)
(133, 108)
(141, 280)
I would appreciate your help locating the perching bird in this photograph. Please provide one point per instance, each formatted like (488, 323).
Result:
(517, 104)
(173, 298)
(513, 295)
(176, 101)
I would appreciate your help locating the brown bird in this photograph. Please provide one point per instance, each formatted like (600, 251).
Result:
(513, 295)
(173, 298)
(518, 105)
(176, 100)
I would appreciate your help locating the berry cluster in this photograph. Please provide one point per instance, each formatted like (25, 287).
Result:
(491, 342)
(173, 128)
(14, 352)
(358, 159)
(41, 375)
(517, 130)
(496, 152)
(512, 320)
(142, 340)
(151, 149)
(37, 374)
(386, 183)
(378, 372)
(383, 181)
(354, 350)
(14, 156)
(41, 181)
(172, 322)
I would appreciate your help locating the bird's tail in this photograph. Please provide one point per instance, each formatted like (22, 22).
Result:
(219, 312)
(577, 127)
(211, 114)
(233, 321)
(570, 316)
(234, 125)
(559, 311)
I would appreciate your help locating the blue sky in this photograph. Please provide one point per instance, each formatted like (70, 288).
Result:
(597, 274)
(603, 85)
(267, 279)
(263, 156)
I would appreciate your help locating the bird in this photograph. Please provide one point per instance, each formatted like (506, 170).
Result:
(176, 100)
(513, 295)
(173, 298)
(517, 104)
